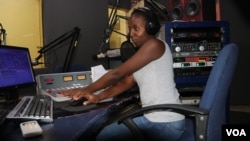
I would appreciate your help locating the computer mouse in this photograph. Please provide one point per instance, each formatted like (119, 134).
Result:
(78, 102)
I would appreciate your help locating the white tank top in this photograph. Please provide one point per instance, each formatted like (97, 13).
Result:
(157, 86)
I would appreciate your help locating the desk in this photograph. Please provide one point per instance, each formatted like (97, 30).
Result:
(61, 129)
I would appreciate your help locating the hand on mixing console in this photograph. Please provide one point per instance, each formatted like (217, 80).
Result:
(78, 93)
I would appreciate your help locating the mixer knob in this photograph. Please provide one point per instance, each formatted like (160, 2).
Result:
(201, 48)
(177, 49)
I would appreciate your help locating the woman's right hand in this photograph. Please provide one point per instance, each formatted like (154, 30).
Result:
(77, 93)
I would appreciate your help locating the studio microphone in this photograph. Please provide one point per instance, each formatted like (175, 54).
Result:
(113, 53)
(127, 49)
(2, 35)
(110, 53)
(99, 56)
(35, 62)
(1, 26)
(2, 30)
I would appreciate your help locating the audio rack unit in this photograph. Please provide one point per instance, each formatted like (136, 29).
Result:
(195, 47)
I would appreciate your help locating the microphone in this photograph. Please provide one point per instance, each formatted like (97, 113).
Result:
(2, 35)
(127, 49)
(35, 62)
(1, 26)
(113, 53)
(99, 56)
(2, 30)
(109, 53)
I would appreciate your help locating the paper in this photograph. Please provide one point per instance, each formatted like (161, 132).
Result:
(97, 72)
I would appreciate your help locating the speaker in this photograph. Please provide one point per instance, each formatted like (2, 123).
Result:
(186, 10)
(153, 23)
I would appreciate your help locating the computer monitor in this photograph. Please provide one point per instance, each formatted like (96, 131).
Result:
(16, 71)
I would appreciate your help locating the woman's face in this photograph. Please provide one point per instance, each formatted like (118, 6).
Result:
(137, 29)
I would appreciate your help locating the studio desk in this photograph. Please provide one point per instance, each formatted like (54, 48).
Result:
(70, 123)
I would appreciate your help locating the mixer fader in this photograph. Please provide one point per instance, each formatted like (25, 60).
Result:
(53, 84)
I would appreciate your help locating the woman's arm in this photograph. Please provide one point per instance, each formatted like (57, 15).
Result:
(150, 51)
(117, 88)
(113, 90)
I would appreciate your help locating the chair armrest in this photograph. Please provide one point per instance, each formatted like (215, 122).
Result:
(200, 115)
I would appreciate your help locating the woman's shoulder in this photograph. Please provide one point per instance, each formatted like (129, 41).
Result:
(155, 44)
(153, 48)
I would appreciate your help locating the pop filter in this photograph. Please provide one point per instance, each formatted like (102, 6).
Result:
(127, 50)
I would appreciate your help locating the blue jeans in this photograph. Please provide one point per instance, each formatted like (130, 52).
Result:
(155, 131)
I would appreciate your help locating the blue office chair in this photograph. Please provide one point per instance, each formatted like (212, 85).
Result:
(203, 122)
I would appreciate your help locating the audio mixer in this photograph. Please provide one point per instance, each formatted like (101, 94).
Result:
(53, 84)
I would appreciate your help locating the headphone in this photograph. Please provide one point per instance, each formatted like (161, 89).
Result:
(153, 24)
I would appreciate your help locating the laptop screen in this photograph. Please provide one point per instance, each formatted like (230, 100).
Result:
(16, 70)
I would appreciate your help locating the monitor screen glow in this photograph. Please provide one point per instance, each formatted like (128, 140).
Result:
(16, 70)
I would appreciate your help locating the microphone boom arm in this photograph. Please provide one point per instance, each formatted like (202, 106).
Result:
(110, 26)
(71, 34)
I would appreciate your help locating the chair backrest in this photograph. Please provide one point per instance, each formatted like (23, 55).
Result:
(215, 97)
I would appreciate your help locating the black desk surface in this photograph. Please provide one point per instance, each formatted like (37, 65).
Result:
(64, 128)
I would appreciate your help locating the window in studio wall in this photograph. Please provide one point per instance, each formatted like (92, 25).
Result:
(120, 30)
(22, 21)
(121, 27)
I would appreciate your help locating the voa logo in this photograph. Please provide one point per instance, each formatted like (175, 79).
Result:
(236, 132)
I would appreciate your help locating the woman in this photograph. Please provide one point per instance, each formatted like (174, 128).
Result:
(151, 69)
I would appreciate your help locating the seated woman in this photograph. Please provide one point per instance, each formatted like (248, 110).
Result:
(151, 68)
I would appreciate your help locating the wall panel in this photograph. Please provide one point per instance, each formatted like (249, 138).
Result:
(61, 16)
